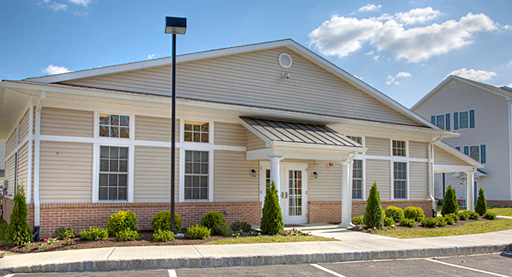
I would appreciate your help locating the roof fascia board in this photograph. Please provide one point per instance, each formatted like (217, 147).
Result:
(158, 62)
(320, 146)
(459, 154)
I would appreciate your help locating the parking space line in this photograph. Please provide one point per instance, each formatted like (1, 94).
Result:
(172, 273)
(468, 268)
(328, 270)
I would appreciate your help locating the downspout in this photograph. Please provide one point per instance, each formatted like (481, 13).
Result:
(431, 173)
(37, 154)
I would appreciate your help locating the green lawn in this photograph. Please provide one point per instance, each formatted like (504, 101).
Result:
(475, 227)
(501, 211)
(269, 239)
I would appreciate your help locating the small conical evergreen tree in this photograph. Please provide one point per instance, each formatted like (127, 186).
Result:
(18, 231)
(450, 204)
(373, 215)
(272, 220)
(481, 204)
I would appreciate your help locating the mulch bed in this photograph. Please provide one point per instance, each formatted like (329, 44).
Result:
(418, 225)
(147, 240)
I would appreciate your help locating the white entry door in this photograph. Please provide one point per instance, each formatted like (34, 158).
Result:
(294, 185)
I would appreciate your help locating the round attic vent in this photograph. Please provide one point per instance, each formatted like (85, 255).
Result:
(453, 84)
(285, 60)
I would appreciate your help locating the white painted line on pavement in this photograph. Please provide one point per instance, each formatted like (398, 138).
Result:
(172, 273)
(468, 268)
(328, 270)
(8, 275)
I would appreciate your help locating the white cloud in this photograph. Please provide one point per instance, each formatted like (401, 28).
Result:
(55, 69)
(151, 56)
(509, 64)
(376, 57)
(371, 53)
(394, 79)
(416, 16)
(341, 36)
(54, 5)
(370, 8)
(477, 75)
(84, 3)
(510, 85)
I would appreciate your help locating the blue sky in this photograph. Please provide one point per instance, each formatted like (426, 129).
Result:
(403, 49)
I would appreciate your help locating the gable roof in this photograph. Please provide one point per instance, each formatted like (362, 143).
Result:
(290, 44)
(501, 91)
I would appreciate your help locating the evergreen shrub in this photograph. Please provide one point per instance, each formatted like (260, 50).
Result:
(198, 232)
(450, 205)
(481, 204)
(162, 221)
(18, 232)
(429, 222)
(358, 220)
(373, 215)
(440, 221)
(408, 222)
(490, 215)
(272, 220)
(163, 235)
(222, 228)
(121, 221)
(128, 235)
(395, 212)
(415, 213)
(94, 233)
(474, 215)
(464, 215)
(389, 222)
(63, 233)
(212, 218)
(241, 226)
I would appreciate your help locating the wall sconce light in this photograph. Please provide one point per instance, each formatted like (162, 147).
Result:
(253, 172)
(285, 75)
(315, 174)
(460, 185)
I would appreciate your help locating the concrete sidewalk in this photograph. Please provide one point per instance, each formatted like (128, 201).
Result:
(353, 246)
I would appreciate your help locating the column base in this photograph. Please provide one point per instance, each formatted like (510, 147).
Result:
(346, 225)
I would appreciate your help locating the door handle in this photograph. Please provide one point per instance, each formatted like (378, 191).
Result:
(286, 194)
(282, 194)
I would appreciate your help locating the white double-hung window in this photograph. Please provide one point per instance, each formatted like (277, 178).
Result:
(197, 161)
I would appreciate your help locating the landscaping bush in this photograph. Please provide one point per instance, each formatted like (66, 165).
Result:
(389, 222)
(94, 233)
(464, 215)
(18, 232)
(474, 215)
(429, 222)
(440, 222)
(415, 213)
(395, 212)
(481, 204)
(241, 226)
(163, 235)
(63, 233)
(490, 215)
(121, 221)
(373, 215)
(358, 220)
(198, 232)
(451, 219)
(222, 228)
(212, 218)
(450, 204)
(128, 235)
(272, 220)
(408, 222)
(162, 221)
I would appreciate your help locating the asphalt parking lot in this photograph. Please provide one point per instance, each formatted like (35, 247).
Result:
(468, 266)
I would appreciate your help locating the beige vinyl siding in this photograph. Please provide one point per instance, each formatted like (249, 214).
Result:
(232, 178)
(9, 175)
(418, 149)
(229, 134)
(443, 157)
(24, 126)
(254, 79)
(377, 146)
(23, 167)
(155, 128)
(11, 143)
(328, 185)
(152, 174)
(418, 186)
(379, 171)
(66, 172)
(63, 122)
(253, 141)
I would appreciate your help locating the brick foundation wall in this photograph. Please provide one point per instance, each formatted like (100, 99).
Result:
(8, 204)
(499, 203)
(81, 216)
(330, 211)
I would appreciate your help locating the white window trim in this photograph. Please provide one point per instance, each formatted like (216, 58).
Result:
(196, 146)
(460, 121)
(407, 188)
(363, 179)
(406, 148)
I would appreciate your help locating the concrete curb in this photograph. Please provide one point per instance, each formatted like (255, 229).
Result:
(210, 262)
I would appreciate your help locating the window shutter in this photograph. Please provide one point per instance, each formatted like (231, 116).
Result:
(447, 122)
(433, 119)
(482, 154)
(455, 121)
(466, 150)
(472, 119)
(458, 148)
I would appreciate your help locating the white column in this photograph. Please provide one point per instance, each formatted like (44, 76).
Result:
(470, 187)
(275, 173)
(346, 195)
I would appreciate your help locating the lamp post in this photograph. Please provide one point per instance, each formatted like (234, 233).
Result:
(174, 25)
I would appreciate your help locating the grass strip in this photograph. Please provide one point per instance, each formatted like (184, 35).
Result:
(501, 211)
(269, 239)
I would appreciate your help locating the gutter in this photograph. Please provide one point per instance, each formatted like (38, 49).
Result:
(37, 156)
(431, 173)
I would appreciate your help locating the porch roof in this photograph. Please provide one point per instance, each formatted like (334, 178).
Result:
(285, 133)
